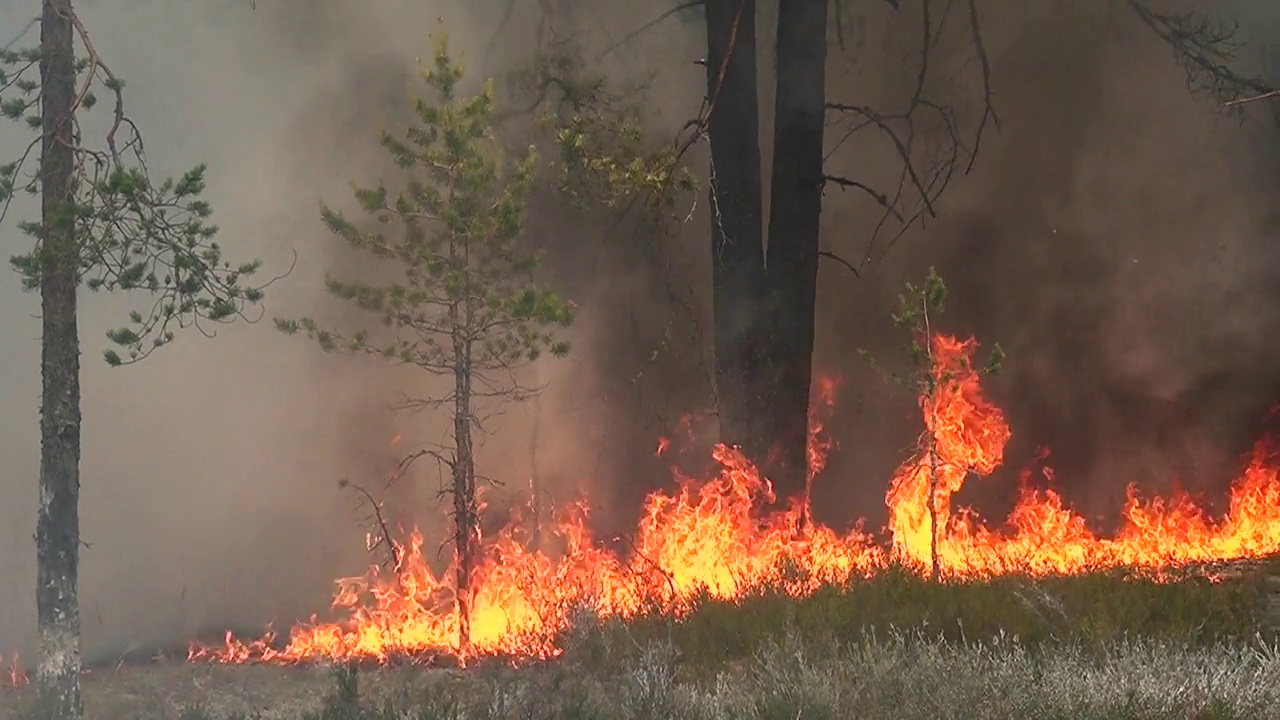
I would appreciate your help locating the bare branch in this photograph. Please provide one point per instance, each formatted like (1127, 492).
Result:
(1252, 98)
(671, 12)
(1207, 48)
(376, 509)
(924, 134)
(832, 256)
(21, 33)
(880, 197)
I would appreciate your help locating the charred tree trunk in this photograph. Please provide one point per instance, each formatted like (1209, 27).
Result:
(58, 523)
(794, 223)
(465, 511)
(737, 241)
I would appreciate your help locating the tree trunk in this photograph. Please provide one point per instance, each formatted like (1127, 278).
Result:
(535, 479)
(465, 511)
(737, 241)
(935, 564)
(794, 224)
(58, 523)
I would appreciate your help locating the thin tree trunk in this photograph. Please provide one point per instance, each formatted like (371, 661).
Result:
(465, 511)
(737, 241)
(794, 225)
(935, 565)
(58, 523)
(535, 480)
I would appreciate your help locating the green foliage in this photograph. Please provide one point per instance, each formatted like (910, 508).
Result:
(132, 233)
(918, 308)
(1091, 611)
(468, 301)
(604, 157)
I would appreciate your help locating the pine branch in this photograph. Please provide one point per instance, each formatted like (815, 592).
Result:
(134, 234)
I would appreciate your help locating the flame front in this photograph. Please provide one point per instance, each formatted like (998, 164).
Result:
(705, 538)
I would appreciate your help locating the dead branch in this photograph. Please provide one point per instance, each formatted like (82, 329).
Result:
(667, 14)
(376, 509)
(671, 581)
(881, 198)
(832, 256)
(925, 135)
(1252, 98)
(1207, 48)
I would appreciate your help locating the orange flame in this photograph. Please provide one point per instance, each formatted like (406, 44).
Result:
(704, 538)
(16, 677)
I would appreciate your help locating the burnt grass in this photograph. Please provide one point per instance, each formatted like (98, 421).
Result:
(1102, 645)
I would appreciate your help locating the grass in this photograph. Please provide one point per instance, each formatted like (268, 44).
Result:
(1088, 647)
(1092, 612)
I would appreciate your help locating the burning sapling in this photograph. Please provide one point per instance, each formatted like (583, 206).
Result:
(927, 379)
(468, 307)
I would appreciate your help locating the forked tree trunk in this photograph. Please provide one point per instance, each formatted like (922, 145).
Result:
(58, 523)
(791, 261)
(465, 511)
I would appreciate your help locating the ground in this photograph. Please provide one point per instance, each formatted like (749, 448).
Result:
(895, 647)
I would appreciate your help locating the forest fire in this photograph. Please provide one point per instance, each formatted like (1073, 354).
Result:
(704, 539)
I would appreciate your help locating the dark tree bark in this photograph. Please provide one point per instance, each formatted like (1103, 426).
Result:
(792, 255)
(737, 242)
(58, 523)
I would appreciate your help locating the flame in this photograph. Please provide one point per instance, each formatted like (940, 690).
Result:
(15, 676)
(704, 539)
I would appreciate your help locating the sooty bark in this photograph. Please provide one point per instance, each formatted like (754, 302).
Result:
(58, 522)
(791, 269)
(737, 240)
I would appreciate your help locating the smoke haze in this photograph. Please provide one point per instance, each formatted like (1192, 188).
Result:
(1116, 238)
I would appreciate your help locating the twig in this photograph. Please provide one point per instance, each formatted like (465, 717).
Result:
(21, 33)
(925, 183)
(396, 552)
(687, 5)
(879, 197)
(988, 107)
(1206, 48)
(671, 581)
(832, 256)
(1252, 98)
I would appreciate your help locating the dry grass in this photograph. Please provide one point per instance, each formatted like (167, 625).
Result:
(895, 647)
(901, 677)
(180, 690)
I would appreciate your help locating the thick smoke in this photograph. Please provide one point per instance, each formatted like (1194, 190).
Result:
(1114, 238)
(217, 451)
(1117, 238)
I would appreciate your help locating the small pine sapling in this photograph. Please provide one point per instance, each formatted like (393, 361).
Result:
(917, 310)
(468, 307)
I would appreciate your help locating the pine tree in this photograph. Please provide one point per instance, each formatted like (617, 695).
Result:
(103, 222)
(468, 307)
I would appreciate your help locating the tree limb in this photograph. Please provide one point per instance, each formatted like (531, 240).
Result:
(925, 135)
(376, 509)
(1207, 48)
(832, 256)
